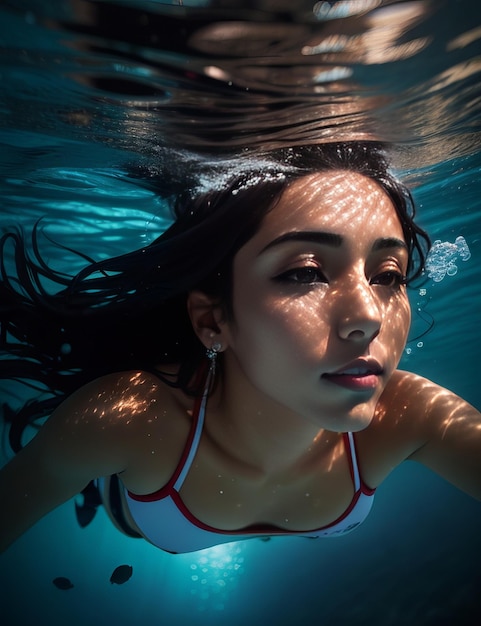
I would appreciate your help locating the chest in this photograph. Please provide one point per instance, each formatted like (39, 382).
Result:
(222, 493)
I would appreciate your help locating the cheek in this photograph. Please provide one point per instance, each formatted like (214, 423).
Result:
(396, 325)
(280, 330)
(259, 325)
(275, 346)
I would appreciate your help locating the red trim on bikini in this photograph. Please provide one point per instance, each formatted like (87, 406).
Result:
(257, 529)
(168, 488)
(168, 491)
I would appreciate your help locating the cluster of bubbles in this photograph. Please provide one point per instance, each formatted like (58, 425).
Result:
(442, 257)
(257, 179)
(440, 262)
(249, 173)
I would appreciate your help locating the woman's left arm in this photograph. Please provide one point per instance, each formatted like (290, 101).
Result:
(448, 430)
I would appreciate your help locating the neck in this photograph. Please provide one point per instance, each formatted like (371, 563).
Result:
(262, 434)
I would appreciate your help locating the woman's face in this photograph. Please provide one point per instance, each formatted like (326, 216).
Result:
(321, 313)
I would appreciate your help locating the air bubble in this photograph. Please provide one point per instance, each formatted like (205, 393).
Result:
(463, 249)
(442, 258)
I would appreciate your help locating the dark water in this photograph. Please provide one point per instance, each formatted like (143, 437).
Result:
(90, 90)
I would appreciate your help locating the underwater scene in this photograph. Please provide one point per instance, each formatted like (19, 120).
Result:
(105, 107)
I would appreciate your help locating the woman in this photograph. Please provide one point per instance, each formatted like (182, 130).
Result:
(242, 368)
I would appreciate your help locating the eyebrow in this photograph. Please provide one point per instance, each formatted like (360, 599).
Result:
(388, 242)
(326, 239)
(330, 239)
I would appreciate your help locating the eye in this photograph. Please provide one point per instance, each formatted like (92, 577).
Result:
(306, 275)
(390, 279)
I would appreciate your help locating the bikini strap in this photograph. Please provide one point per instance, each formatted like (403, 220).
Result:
(351, 447)
(198, 425)
(198, 418)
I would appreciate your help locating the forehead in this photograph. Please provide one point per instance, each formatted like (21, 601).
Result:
(337, 201)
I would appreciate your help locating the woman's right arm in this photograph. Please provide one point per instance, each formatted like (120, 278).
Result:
(90, 435)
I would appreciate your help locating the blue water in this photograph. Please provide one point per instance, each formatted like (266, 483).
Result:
(65, 143)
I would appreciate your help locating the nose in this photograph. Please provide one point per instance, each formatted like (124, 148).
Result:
(359, 315)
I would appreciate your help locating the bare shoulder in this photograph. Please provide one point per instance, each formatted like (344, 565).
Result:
(110, 417)
(102, 429)
(419, 420)
(423, 408)
(111, 402)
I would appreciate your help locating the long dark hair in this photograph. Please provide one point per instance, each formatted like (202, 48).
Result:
(129, 312)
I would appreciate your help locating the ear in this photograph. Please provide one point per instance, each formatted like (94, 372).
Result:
(207, 318)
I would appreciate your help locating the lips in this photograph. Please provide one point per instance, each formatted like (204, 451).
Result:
(359, 375)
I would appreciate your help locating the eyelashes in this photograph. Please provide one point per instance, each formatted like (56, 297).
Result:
(311, 275)
(390, 279)
(305, 275)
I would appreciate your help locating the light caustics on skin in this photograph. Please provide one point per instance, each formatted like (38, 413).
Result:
(133, 399)
(289, 331)
(414, 390)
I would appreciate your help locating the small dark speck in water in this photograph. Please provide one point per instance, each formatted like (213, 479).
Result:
(62, 583)
(121, 574)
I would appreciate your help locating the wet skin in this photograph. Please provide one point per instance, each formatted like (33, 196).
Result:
(320, 319)
(321, 313)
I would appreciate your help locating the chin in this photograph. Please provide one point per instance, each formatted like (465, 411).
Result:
(359, 418)
(358, 424)
(355, 420)
(345, 422)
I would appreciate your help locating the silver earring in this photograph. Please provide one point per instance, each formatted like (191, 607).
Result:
(211, 354)
(213, 350)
